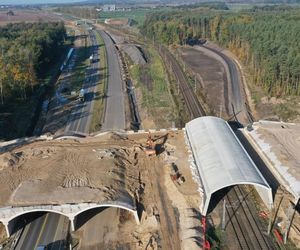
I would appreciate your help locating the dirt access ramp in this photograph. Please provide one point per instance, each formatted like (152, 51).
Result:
(278, 144)
(211, 75)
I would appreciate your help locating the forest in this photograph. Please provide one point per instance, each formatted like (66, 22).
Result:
(266, 40)
(26, 52)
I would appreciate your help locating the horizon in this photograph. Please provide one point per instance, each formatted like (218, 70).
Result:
(28, 2)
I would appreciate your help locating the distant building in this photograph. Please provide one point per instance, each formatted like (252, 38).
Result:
(109, 7)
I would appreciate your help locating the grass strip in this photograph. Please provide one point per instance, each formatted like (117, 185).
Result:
(101, 87)
(152, 79)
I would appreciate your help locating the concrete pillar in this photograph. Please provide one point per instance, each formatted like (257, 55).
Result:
(5, 223)
(72, 223)
(136, 216)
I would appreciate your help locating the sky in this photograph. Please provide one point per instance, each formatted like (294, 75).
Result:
(3, 2)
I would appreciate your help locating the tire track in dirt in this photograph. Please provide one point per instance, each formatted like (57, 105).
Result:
(167, 217)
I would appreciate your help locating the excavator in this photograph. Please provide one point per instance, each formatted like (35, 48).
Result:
(150, 146)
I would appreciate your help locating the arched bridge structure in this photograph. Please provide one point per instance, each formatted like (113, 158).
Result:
(221, 161)
(9, 213)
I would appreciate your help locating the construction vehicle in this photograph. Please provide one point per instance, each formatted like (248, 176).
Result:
(177, 178)
(81, 95)
(91, 58)
(150, 146)
(175, 175)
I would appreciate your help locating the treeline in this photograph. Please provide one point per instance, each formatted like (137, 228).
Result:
(80, 12)
(26, 51)
(265, 41)
(208, 5)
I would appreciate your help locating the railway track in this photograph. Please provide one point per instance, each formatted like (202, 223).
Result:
(242, 218)
(193, 105)
(245, 224)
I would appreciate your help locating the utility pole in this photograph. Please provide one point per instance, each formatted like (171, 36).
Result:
(223, 217)
(195, 79)
(288, 223)
(270, 221)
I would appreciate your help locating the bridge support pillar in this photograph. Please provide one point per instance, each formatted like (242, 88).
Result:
(136, 216)
(5, 224)
(72, 223)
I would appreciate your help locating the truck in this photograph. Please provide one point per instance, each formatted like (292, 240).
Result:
(91, 58)
(81, 95)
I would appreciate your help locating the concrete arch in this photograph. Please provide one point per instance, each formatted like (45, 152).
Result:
(111, 205)
(36, 211)
(8, 221)
(264, 192)
(8, 214)
(242, 183)
(135, 214)
(220, 160)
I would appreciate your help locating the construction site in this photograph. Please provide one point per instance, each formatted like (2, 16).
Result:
(153, 182)
(148, 172)
(211, 183)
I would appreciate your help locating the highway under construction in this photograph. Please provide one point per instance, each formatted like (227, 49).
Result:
(147, 189)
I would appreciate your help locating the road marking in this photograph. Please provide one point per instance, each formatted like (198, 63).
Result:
(56, 230)
(41, 232)
(23, 236)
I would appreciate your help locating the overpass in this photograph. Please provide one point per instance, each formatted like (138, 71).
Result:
(109, 168)
(220, 160)
(71, 211)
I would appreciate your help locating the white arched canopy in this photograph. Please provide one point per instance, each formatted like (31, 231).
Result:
(221, 161)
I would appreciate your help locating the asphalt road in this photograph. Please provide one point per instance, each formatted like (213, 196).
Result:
(80, 118)
(49, 230)
(100, 229)
(238, 101)
(114, 118)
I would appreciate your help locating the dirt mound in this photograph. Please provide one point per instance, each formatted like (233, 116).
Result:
(10, 160)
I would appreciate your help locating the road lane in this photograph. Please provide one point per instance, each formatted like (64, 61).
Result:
(49, 229)
(54, 232)
(81, 116)
(99, 229)
(31, 234)
(238, 101)
(114, 118)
